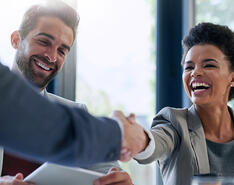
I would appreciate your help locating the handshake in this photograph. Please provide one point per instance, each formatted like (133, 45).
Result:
(135, 139)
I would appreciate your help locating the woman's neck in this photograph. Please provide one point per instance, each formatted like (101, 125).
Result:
(217, 123)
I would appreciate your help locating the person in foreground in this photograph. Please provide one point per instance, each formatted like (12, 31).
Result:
(197, 140)
(33, 127)
(43, 41)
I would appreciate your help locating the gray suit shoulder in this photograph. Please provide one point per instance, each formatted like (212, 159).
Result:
(172, 110)
(172, 117)
(65, 101)
(169, 114)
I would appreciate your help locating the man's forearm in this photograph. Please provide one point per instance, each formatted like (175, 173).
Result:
(45, 131)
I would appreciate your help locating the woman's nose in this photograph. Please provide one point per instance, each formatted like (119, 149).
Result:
(197, 71)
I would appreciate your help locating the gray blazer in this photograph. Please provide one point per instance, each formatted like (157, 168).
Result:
(180, 145)
(41, 130)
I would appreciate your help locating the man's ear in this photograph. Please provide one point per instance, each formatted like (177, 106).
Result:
(15, 39)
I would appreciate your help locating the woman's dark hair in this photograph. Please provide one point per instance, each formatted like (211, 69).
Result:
(208, 33)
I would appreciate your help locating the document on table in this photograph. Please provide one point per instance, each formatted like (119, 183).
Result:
(53, 174)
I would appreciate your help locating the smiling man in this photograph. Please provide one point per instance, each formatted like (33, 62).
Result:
(43, 41)
(41, 52)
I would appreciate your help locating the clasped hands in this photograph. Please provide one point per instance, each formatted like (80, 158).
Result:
(135, 139)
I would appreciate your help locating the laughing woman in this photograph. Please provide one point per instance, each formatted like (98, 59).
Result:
(198, 140)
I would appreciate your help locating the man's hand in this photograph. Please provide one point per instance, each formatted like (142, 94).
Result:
(13, 180)
(114, 177)
(135, 139)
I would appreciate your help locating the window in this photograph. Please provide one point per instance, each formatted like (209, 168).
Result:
(10, 16)
(219, 12)
(115, 67)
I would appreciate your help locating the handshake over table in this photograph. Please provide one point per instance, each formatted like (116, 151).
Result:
(135, 139)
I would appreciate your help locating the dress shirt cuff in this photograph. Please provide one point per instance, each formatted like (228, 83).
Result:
(149, 149)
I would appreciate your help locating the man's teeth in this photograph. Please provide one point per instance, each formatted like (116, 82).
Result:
(42, 66)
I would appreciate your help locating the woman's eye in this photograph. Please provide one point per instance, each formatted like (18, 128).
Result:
(187, 68)
(209, 65)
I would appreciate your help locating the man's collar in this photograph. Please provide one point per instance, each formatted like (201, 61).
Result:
(43, 92)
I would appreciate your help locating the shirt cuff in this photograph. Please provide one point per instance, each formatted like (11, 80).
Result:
(149, 149)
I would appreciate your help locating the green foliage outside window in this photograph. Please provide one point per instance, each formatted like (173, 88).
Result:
(216, 11)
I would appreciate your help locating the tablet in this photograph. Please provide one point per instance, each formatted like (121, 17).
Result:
(53, 174)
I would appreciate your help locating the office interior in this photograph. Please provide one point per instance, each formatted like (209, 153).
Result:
(157, 80)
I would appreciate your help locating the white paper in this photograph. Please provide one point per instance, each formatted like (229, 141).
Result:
(53, 174)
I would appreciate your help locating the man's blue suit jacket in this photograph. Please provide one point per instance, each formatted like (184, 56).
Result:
(41, 130)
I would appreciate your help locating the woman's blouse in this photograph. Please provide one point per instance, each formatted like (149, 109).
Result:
(221, 158)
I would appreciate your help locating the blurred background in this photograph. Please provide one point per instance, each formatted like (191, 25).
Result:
(118, 54)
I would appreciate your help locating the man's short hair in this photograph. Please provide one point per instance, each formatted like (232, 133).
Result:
(54, 8)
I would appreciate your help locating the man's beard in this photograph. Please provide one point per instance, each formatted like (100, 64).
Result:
(25, 66)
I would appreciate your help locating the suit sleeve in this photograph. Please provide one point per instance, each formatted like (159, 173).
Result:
(166, 137)
(35, 128)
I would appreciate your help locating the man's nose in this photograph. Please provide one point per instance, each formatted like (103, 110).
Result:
(51, 55)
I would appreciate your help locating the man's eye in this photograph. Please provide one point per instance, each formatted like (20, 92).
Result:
(43, 42)
(61, 52)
